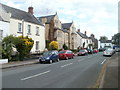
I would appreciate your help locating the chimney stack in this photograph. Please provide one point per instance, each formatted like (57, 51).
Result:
(85, 32)
(92, 35)
(78, 30)
(30, 10)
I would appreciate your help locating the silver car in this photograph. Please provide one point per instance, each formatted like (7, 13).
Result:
(108, 52)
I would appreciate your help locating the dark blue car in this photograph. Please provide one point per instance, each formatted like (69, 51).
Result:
(49, 56)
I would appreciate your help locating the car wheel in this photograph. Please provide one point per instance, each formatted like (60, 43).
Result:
(51, 61)
(66, 58)
(72, 57)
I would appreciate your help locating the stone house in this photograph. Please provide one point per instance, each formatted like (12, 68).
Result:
(53, 29)
(26, 24)
(72, 35)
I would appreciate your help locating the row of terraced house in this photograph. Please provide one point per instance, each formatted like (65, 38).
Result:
(42, 29)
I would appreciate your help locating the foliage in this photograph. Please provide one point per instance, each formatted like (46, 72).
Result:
(65, 47)
(23, 46)
(7, 47)
(116, 39)
(53, 45)
(103, 38)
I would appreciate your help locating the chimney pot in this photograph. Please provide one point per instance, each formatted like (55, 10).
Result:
(78, 30)
(85, 32)
(30, 10)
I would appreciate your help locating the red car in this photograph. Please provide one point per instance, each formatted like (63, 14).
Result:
(66, 54)
(82, 52)
(95, 51)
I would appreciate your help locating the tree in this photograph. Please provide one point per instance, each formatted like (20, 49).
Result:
(7, 44)
(53, 45)
(103, 38)
(23, 46)
(65, 47)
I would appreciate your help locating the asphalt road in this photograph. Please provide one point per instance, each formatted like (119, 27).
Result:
(80, 72)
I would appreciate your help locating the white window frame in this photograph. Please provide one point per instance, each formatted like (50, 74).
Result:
(37, 45)
(19, 27)
(29, 29)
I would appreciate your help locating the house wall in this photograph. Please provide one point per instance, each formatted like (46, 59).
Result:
(60, 38)
(40, 38)
(4, 26)
(71, 30)
(66, 38)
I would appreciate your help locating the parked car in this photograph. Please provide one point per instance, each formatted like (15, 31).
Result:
(82, 52)
(117, 49)
(49, 56)
(108, 52)
(101, 49)
(90, 51)
(66, 54)
(95, 50)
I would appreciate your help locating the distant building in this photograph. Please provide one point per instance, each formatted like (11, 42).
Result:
(94, 41)
(25, 24)
(83, 40)
(72, 35)
(53, 29)
(106, 43)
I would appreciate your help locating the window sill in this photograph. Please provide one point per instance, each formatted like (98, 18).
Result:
(20, 32)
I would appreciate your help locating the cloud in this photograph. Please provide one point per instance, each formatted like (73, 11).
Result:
(95, 16)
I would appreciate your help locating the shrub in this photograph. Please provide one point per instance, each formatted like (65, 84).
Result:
(53, 45)
(65, 47)
(23, 46)
(7, 47)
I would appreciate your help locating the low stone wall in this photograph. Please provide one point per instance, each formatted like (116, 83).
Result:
(2, 61)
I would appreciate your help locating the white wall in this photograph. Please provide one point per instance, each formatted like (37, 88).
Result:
(5, 27)
(41, 38)
(106, 44)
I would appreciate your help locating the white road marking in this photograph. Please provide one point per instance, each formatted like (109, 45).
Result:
(35, 75)
(103, 61)
(66, 65)
(81, 60)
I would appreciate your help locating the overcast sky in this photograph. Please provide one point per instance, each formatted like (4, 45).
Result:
(99, 17)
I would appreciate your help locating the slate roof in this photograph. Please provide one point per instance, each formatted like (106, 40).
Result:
(106, 41)
(82, 35)
(66, 25)
(49, 18)
(19, 14)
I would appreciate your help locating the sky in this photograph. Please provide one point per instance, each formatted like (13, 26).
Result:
(98, 17)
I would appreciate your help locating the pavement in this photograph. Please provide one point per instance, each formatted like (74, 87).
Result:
(19, 63)
(110, 75)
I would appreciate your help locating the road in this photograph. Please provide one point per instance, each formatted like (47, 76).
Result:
(80, 72)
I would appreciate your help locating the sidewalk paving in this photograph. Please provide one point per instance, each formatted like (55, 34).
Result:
(19, 63)
(110, 77)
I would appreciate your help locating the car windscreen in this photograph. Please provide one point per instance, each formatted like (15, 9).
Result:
(47, 53)
(62, 52)
(108, 50)
(82, 51)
